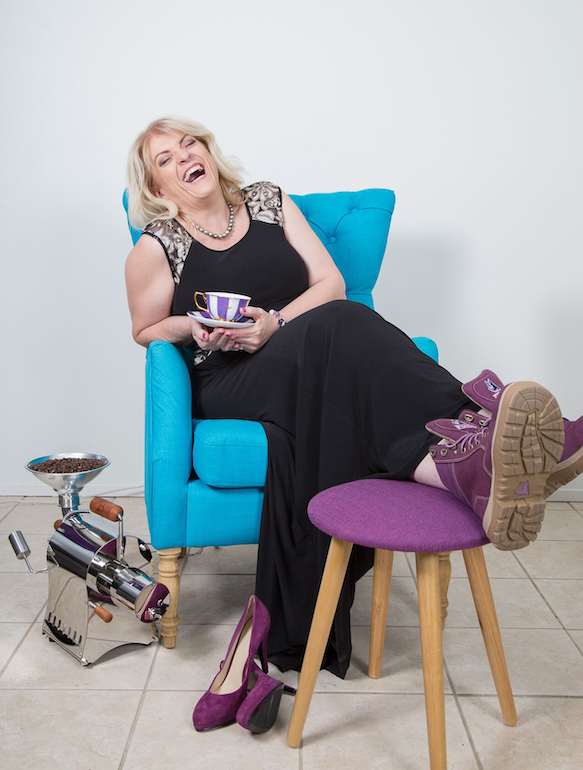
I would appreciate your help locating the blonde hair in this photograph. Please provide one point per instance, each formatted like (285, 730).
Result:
(143, 205)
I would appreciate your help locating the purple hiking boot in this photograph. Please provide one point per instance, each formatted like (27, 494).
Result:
(485, 390)
(571, 463)
(500, 468)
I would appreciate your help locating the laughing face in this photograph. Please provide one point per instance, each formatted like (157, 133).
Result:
(184, 171)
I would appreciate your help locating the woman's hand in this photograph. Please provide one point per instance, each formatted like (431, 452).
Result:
(249, 338)
(209, 339)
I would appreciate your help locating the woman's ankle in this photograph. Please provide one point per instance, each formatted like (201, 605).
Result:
(426, 473)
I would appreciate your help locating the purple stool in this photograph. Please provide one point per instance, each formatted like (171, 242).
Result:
(401, 516)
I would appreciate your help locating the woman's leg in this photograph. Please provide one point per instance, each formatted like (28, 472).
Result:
(426, 473)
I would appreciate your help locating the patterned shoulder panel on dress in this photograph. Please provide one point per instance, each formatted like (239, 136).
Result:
(264, 202)
(174, 240)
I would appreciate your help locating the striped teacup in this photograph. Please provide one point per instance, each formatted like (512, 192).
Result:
(222, 305)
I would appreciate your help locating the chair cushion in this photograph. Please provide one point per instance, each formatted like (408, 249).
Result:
(397, 516)
(230, 453)
(232, 516)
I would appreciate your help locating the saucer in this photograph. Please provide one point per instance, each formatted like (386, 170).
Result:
(213, 322)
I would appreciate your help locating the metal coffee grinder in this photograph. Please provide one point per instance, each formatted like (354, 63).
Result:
(96, 572)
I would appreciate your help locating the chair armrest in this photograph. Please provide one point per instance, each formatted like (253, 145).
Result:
(168, 449)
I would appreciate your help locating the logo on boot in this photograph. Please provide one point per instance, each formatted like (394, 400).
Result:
(461, 425)
(493, 388)
(522, 488)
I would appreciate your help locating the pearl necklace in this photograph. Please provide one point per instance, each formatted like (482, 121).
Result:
(207, 232)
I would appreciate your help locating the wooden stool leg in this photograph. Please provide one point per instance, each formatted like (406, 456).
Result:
(482, 593)
(169, 576)
(444, 578)
(381, 588)
(432, 653)
(332, 580)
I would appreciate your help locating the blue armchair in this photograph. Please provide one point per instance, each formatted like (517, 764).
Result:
(200, 489)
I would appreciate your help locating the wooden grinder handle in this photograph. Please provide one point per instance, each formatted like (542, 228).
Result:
(106, 509)
(104, 614)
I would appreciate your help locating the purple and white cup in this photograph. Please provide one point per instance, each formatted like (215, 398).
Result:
(222, 305)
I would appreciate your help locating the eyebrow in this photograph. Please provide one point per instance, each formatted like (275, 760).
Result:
(165, 151)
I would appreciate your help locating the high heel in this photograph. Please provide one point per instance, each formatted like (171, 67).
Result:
(258, 711)
(220, 703)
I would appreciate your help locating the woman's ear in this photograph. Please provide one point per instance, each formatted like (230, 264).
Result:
(158, 193)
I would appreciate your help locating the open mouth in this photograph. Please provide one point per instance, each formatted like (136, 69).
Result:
(194, 173)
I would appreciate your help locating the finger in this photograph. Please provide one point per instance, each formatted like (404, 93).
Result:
(197, 331)
(252, 312)
(223, 341)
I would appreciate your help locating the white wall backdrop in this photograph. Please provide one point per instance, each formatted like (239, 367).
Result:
(470, 111)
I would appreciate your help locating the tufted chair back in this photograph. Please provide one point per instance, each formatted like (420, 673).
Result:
(349, 224)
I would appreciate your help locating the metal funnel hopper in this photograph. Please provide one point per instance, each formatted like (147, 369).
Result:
(68, 485)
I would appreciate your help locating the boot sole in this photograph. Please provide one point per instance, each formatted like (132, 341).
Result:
(527, 443)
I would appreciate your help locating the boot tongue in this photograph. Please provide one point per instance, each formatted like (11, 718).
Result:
(485, 390)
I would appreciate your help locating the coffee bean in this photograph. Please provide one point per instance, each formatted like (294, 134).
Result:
(68, 465)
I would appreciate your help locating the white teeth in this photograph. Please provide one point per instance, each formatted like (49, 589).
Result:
(191, 171)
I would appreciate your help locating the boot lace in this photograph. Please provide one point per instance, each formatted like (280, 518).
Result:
(467, 441)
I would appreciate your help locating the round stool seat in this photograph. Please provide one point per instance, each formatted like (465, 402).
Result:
(397, 516)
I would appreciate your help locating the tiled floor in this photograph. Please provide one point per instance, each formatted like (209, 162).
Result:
(133, 709)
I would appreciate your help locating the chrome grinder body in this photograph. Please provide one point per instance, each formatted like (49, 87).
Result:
(100, 595)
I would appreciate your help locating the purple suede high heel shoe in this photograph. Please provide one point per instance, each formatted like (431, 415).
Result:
(220, 703)
(258, 711)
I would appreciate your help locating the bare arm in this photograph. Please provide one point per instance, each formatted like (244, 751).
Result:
(325, 283)
(325, 280)
(150, 289)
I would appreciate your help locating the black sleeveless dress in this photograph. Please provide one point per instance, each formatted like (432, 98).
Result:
(342, 395)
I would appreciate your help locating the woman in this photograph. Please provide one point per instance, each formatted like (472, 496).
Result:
(342, 393)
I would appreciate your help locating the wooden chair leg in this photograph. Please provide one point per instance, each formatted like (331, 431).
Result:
(381, 588)
(432, 654)
(328, 595)
(168, 569)
(444, 578)
(482, 593)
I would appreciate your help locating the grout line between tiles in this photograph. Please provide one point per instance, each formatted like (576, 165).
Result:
(335, 693)
(21, 642)
(580, 648)
(519, 696)
(81, 690)
(462, 716)
(507, 577)
(138, 710)
(537, 589)
(8, 512)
